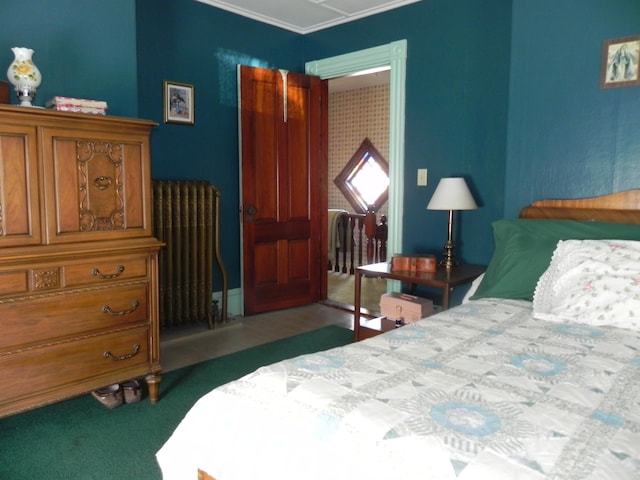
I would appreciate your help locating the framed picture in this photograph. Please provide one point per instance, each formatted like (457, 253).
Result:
(620, 62)
(178, 103)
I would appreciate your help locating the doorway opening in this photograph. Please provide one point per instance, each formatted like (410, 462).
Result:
(341, 69)
(357, 183)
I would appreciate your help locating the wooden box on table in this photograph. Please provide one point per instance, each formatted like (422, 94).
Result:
(405, 307)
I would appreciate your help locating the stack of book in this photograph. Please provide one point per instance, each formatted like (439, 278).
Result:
(77, 105)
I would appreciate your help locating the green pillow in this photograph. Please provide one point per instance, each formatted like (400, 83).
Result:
(523, 250)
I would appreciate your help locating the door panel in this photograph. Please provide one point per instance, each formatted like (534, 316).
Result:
(283, 202)
(19, 195)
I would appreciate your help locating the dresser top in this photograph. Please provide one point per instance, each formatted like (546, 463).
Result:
(40, 115)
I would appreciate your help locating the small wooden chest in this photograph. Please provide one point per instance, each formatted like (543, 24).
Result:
(414, 263)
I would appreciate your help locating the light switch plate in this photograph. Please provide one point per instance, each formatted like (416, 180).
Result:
(422, 177)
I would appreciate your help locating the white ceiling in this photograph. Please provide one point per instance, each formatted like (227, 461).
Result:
(306, 16)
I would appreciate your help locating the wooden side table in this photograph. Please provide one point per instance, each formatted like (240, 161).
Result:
(444, 279)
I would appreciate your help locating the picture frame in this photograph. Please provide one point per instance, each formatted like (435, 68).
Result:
(179, 103)
(619, 66)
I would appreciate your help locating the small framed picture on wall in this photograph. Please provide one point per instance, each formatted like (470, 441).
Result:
(178, 103)
(620, 62)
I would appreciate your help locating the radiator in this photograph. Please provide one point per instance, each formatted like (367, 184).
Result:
(185, 218)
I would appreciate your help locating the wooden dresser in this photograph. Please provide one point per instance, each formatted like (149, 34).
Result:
(78, 262)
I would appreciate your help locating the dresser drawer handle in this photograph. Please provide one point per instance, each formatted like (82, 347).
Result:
(107, 309)
(108, 355)
(102, 182)
(96, 273)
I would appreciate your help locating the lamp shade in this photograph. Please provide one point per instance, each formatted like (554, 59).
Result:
(452, 194)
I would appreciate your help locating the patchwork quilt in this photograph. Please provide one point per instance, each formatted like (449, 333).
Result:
(481, 391)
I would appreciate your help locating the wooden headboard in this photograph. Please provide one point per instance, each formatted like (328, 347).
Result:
(622, 207)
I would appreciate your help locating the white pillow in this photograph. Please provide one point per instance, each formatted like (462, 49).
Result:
(595, 282)
(472, 288)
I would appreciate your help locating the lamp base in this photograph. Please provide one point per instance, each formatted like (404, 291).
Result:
(448, 260)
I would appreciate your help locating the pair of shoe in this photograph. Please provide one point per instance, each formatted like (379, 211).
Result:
(115, 395)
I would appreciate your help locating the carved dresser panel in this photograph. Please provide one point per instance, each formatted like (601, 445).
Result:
(78, 262)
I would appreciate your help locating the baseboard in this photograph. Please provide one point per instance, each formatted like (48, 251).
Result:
(234, 301)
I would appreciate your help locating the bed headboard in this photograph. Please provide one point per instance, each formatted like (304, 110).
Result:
(621, 207)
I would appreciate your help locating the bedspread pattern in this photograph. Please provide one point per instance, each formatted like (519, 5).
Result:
(481, 391)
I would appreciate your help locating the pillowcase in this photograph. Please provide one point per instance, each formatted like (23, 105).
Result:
(594, 282)
(523, 250)
(472, 289)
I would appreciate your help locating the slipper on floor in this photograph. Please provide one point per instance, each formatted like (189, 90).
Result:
(111, 396)
(132, 391)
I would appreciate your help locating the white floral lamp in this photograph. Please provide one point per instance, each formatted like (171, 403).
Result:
(24, 75)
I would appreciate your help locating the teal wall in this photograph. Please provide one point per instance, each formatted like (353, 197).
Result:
(504, 92)
(566, 137)
(456, 108)
(83, 49)
(189, 42)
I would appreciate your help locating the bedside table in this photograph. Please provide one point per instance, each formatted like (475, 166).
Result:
(444, 279)
(375, 326)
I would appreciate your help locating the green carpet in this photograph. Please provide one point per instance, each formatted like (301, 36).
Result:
(81, 439)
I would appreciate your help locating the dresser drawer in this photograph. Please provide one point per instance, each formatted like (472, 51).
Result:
(75, 274)
(68, 363)
(31, 320)
(24, 280)
(101, 271)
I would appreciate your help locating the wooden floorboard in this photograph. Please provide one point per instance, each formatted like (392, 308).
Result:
(182, 346)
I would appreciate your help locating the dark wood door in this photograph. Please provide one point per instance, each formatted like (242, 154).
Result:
(284, 204)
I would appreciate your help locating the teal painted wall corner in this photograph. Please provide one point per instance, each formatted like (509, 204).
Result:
(82, 49)
(567, 138)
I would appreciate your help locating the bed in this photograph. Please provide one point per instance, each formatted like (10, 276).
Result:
(535, 376)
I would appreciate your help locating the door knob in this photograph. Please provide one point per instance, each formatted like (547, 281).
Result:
(250, 212)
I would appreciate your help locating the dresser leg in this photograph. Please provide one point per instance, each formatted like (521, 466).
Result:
(153, 382)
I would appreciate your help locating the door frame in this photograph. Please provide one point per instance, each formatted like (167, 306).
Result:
(393, 55)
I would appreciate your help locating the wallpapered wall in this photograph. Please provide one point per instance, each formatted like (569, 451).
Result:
(353, 116)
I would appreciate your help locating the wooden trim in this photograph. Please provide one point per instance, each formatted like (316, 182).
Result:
(621, 207)
(4, 92)
(202, 475)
